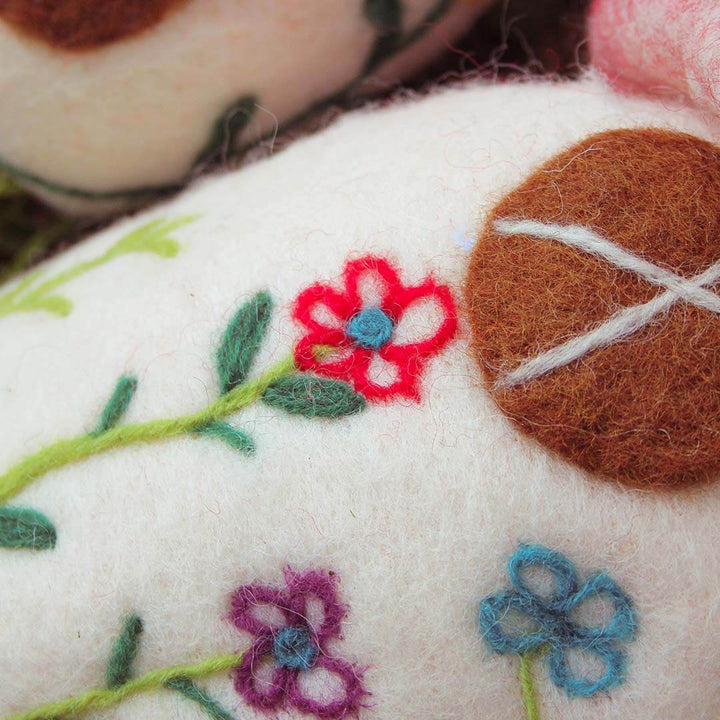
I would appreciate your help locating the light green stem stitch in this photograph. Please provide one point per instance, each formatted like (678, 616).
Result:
(527, 686)
(152, 237)
(33, 247)
(65, 452)
(101, 698)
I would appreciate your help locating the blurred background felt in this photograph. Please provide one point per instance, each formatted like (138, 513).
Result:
(515, 37)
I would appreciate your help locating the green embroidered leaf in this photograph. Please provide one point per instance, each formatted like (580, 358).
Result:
(26, 528)
(153, 237)
(241, 341)
(191, 691)
(313, 396)
(234, 437)
(226, 130)
(117, 404)
(119, 668)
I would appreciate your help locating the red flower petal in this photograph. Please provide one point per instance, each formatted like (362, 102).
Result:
(356, 270)
(406, 384)
(354, 366)
(339, 305)
(444, 334)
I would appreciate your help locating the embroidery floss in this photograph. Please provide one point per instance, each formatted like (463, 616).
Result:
(555, 632)
(120, 684)
(25, 528)
(102, 698)
(153, 237)
(124, 652)
(296, 647)
(281, 386)
(117, 405)
(191, 691)
(361, 333)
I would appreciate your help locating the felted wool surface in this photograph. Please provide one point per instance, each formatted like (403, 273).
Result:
(659, 47)
(638, 403)
(106, 102)
(414, 503)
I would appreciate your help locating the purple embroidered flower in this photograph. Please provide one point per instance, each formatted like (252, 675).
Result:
(290, 642)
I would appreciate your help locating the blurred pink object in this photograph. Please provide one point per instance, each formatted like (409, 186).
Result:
(659, 47)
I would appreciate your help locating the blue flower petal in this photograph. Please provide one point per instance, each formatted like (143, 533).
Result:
(623, 623)
(613, 659)
(491, 617)
(563, 571)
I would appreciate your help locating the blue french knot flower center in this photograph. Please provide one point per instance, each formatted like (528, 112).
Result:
(294, 649)
(371, 328)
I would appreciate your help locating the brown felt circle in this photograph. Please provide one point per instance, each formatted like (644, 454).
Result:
(644, 410)
(83, 24)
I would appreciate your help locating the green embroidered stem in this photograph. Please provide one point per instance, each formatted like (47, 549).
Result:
(101, 698)
(151, 237)
(527, 687)
(65, 452)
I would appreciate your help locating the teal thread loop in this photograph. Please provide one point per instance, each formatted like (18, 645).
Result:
(553, 625)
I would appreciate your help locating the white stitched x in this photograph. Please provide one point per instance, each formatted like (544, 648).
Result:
(625, 321)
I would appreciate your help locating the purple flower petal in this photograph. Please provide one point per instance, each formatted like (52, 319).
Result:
(249, 600)
(266, 691)
(336, 708)
(315, 584)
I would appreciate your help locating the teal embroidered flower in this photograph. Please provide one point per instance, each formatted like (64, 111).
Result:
(554, 627)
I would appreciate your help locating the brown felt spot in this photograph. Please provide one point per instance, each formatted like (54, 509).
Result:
(83, 24)
(644, 410)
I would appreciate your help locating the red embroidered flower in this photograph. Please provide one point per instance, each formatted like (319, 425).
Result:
(363, 331)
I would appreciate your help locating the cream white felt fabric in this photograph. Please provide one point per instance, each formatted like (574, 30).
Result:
(416, 507)
(136, 113)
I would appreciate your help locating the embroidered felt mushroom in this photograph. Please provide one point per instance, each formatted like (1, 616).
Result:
(130, 424)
